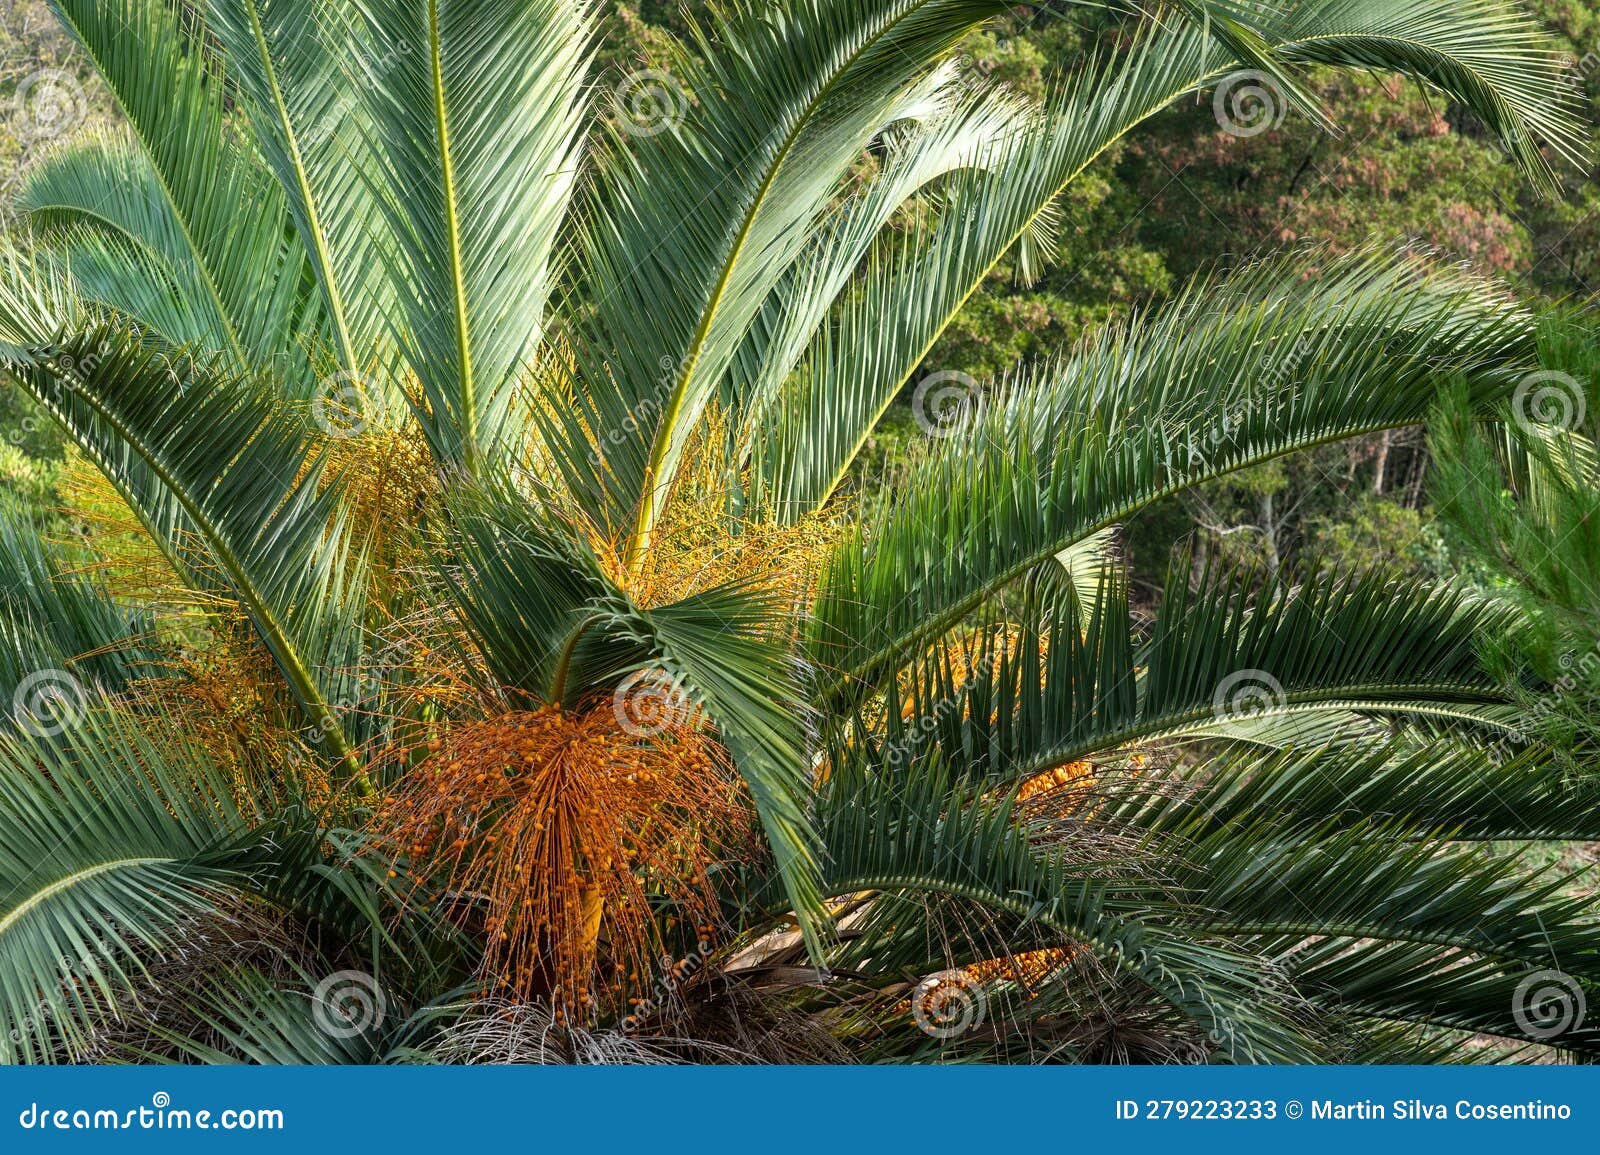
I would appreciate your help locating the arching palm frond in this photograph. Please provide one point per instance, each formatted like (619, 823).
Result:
(112, 842)
(57, 617)
(1347, 893)
(1053, 681)
(1483, 53)
(293, 64)
(1234, 372)
(199, 196)
(471, 208)
(221, 474)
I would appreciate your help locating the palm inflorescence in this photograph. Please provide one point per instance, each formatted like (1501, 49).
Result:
(490, 645)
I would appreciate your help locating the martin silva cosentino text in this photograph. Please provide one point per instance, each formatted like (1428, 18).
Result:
(1413, 1109)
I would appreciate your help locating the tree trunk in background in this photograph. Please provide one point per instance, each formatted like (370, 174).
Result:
(1384, 441)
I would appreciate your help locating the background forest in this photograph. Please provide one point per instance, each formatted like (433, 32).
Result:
(1182, 194)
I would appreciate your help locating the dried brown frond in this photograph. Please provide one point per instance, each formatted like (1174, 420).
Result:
(239, 936)
(499, 1032)
(560, 826)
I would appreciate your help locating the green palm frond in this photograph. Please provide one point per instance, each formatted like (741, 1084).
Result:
(204, 200)
(112, 841)
(55, 617)
(1523, 494)
(224, 478)
(945, 129)
(1489, 55)
(97, 208)
(689, 230)
(471, 209)
(911, 292)
(1056, 681)
(913, 287)
(1232, 373)
(923, 835)
(247, 1016)
(289, 60)
(1462, 789)
(1407, 898)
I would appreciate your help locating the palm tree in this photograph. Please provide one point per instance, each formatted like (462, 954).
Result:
(482, 607)
(1522, 497)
